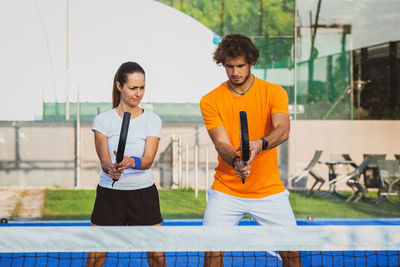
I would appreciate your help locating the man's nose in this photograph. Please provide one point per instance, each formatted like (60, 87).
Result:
(235, 71)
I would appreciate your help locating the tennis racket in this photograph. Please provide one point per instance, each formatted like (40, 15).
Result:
(122, 139)
(244, 138)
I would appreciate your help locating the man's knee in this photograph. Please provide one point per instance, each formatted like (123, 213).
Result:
(95, 259)
(213, 259)
(290, 258)
(156, 259)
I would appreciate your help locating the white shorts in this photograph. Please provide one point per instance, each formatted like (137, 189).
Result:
(226, 210)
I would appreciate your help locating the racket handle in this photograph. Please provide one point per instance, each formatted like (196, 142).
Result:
(114, 180)
(243, 180)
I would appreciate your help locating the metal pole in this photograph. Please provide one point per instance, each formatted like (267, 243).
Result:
(67, 65)
(261, 18)
(175, 161)
(351, 86)
(180, 162)
(292, 148)
(206, 183)
(196, 171)
(77, 142)
(17, 154)
(358, 98)
(221, 32)
(187, 166)
(295, 54)
(43, 105)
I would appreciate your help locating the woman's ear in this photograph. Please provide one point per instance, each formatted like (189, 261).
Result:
(119, 86)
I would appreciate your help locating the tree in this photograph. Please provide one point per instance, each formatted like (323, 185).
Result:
(274, 37)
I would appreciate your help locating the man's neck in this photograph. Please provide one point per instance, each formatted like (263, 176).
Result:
(243, 88)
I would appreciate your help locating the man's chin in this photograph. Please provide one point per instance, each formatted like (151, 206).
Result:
(237, 83)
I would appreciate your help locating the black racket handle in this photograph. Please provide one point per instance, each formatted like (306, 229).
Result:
(244, 138)
(243, 180)
(122, 140)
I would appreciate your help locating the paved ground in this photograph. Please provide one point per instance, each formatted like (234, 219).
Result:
(23, 203)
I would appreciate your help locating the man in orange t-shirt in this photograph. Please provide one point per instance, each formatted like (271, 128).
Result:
(263, 194)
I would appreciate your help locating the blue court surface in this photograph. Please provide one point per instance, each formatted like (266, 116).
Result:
(260, 258)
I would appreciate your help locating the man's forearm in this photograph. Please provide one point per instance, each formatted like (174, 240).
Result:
(226, 152)
(277, 136)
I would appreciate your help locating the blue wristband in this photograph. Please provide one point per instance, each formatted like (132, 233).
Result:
(138, 162)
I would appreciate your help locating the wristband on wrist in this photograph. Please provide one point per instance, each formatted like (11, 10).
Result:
(138, 163)
(233, 161)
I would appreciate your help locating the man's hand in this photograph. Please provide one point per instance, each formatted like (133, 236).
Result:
(242, 168)
(255, 148)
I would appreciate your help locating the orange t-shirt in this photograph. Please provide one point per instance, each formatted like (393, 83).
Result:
(221, 108)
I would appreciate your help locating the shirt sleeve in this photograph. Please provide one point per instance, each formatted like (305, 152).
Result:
(210, 113)
(154, 126)
(280, 101)
(99, 124)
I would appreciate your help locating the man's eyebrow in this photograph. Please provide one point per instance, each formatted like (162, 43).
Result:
(239, 65)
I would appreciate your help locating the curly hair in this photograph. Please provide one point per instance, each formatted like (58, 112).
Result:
(234, 45)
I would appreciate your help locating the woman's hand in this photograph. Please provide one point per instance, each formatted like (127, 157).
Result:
(113, 171)
(126, 163)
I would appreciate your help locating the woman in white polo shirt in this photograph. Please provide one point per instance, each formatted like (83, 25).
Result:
(133, 198)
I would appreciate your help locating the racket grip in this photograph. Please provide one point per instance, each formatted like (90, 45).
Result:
(114, 180)
(243, 180)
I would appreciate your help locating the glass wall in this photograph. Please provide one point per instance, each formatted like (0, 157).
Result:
(347, 98)
(347, 55)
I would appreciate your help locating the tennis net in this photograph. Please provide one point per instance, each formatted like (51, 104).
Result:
(185, 245)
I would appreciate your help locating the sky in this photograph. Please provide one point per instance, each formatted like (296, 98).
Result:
(174, 49)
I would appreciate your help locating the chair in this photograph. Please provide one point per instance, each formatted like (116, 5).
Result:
(308, 170)
(389, 171)
(353, 181)
(347, 157)
(371, 172)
